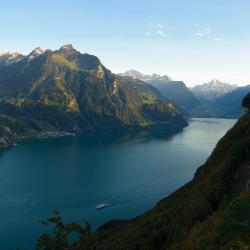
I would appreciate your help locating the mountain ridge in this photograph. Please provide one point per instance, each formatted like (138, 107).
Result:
(226, 106)
(144, 77)
(175, 91)
(212, 90)
(212, 99)
(65, 89)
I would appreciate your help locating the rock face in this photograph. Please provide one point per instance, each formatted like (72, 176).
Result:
(62, 90)
(5, 141)
(5, 137)
(246, 101)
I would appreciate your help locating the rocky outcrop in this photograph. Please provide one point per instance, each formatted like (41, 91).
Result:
(5, 141)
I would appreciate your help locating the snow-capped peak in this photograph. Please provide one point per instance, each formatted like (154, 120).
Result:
(7, 58)
(36, 52)
(215, 82)
(146, 78)
(3, 53)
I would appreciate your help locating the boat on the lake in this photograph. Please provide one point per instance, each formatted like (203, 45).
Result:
(102, 206)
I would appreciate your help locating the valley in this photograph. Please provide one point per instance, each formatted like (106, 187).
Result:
(213, 99)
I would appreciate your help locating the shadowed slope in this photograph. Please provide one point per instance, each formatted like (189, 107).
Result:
(197, 216)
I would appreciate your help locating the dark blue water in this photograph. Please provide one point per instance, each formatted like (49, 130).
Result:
(132, 171)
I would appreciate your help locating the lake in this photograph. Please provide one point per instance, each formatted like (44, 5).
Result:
(131, 171)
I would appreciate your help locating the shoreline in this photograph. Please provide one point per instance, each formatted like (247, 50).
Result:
(10, 142)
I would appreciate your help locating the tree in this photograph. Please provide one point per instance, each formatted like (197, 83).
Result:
(66, 236)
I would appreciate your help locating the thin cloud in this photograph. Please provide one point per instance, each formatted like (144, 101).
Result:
(161, 33)
(157, 30)
(117, 38)
(159, 26)
(205, 32)
(208, 31)
(208, 34)
(199, 33)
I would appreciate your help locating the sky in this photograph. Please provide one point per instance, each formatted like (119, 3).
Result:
(194, 41)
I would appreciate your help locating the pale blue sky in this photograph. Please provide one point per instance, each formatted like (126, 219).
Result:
(193, 40)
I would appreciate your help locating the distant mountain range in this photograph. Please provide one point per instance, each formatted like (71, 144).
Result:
(212, 90)
(213, 99)
(175, 91)
(146, 78)
(226, 106)
(64, 90)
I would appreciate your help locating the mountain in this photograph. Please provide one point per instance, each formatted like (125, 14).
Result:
(146, 78)
(246, 102)
(212, 90)
(35, 53)
(227, 106)
(213, 99)
(64, 90)
(7, 58)
(175, 91)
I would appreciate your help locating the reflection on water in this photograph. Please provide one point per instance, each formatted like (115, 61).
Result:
(120, 136)
(131, 171)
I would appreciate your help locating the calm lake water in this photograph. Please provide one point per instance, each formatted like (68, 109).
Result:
(131, 171)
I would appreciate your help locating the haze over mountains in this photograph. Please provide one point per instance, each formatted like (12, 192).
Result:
(212, 99)
(64, 90)
(227, 106)
(146, 78)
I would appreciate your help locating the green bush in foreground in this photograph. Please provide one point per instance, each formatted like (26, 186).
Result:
(66, 236)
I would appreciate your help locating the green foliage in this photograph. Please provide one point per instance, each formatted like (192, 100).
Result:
(61, 238)
(236, 217)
